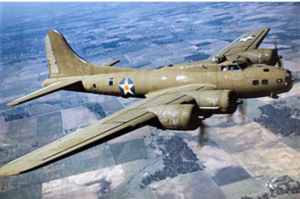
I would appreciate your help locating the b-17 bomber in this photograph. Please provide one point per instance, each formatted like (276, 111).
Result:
(176, 96)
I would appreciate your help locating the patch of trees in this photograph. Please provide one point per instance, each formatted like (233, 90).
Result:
(202, 44)
(95, 108)
(178, 158)
(289, 188)
(167, 41)
(115, 44)
(196, 57)
(282, 121)
(264, 196)
(15, 115)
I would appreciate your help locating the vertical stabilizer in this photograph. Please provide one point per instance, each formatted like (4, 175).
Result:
(62, 60)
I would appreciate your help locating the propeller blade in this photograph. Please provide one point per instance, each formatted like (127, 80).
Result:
(229, 117)
(279, 62)
(275, 45)
(203, 134)
(242, 110)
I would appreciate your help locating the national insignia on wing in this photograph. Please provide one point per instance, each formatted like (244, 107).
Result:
(245, 39)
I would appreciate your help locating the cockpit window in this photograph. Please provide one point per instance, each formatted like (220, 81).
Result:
(233, 67)
(229, 67)
(236, 61)
(224, 68)
(287, 76)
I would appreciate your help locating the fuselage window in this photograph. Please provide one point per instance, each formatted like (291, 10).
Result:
(255, 82)
(264, 81)
(111, 82)
(279, 81)
(94, 85)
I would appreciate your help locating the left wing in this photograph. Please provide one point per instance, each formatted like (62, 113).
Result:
(248, 41)
(122, 121)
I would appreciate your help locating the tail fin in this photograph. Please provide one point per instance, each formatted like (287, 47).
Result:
(62, 60)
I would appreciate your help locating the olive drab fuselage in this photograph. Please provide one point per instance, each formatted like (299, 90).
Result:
(256, 80)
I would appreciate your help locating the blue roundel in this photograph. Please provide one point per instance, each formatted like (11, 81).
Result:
(126, 86)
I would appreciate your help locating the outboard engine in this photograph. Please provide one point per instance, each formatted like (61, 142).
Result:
(262, 56)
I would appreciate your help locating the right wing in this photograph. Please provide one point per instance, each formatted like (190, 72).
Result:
(248, 41)
(126, 120)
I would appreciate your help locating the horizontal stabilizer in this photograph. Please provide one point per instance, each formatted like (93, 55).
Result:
(44, 91)
(112, 63)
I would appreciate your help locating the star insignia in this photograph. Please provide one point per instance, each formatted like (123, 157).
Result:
(126, 86)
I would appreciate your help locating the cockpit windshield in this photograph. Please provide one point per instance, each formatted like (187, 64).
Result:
(241, 64)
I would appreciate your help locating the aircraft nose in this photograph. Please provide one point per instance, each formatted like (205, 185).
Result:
(290, 78)
(294, 76)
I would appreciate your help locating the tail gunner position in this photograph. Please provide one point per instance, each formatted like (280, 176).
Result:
(175, 96)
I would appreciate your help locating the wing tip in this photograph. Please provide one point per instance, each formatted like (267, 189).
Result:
(6, 171)
(12, 103)
(267, 29)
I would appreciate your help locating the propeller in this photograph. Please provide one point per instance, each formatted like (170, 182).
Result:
(279, 57)
(203, 133)
(242, 108)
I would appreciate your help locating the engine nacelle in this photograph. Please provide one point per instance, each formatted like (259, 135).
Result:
(177, 117)
(215, 101)
(261, 56)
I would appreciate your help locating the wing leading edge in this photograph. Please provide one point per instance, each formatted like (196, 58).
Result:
(118, 123)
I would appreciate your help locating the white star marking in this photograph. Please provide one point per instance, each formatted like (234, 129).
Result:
(246, 38)
(127, 87)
